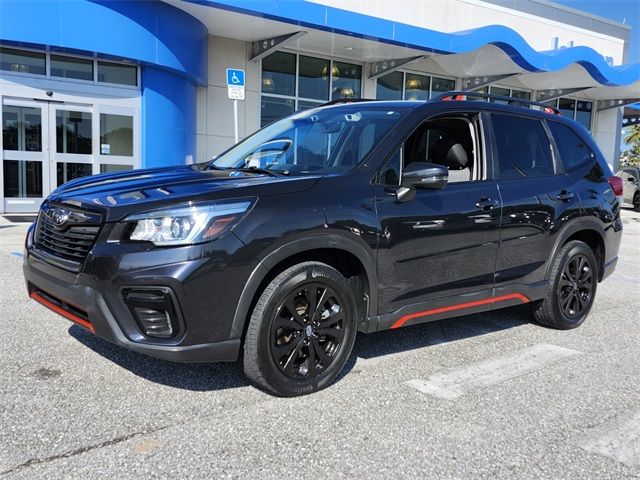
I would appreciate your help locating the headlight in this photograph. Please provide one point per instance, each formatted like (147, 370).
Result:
(186, 225)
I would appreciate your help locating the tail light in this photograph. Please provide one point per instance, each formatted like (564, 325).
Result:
(616, 185)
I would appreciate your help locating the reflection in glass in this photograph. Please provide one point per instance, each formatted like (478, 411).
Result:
(441, 85)
(583, 113)
(347, 80)
(389, 87)
(21, 128)
(108, 168)
(117, 73)
(116, 134)
(279, 74)
(22, 61)
(66, 171)
(71, 67)
(567, 107)
(73, 132)
(274, 108)
(22, 179)
(307, 104)
(416, 87)
(313, 81)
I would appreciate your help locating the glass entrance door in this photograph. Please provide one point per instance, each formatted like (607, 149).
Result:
(25, 176)
(46, 144)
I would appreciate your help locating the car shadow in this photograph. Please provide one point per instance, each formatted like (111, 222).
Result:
(222, 376)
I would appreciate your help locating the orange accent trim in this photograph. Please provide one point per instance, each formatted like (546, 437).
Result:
(61, 311)
(461, 306)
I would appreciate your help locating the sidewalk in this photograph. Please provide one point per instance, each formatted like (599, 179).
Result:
(12, 236)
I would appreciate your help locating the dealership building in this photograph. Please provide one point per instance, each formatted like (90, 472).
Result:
(91, 86)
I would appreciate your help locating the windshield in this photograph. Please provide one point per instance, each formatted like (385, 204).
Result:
(319, 141)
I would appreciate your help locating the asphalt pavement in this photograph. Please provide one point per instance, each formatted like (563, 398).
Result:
(481, 396)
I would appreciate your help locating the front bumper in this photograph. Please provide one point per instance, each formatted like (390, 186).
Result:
(203, 280)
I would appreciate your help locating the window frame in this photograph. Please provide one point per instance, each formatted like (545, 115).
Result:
(480, 140)
(404, 73)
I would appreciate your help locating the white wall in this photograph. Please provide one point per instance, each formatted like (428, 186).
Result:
(215, 110)
(607, 132)
(458, 15)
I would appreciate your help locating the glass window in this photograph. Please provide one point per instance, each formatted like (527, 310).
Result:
(279, 74)
(67, 171)
(499, 91)
(331, 140)
(441, 85)
(390, 173)
(73, 132)
(116, 134)
(108, 168)
(347, 80)
(70, 67)
(573, 151)
(117, 73)
(274, 108)
(521, 94)
(523, 147)
(416, 87)
(389, 87)
(307, 104)
(22, 178)
(314, 77)
(567, 107)
(583, 113)
(22, 61)
(21, 128)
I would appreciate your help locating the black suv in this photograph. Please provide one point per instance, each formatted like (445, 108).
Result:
(362, 216)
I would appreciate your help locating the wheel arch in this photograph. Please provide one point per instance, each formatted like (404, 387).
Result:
(340, 252)
(587, 230)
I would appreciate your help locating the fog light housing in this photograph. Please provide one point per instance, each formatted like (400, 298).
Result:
(154, 309)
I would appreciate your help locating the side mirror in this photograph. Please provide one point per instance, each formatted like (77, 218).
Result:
(425, 175)
(422, 175)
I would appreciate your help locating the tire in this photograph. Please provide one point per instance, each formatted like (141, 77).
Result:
(636, 202)
(574, 275)
(292, 348)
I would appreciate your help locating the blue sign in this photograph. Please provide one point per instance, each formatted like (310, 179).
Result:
(235, 77)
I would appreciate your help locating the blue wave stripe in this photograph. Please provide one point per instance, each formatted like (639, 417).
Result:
(312, 15)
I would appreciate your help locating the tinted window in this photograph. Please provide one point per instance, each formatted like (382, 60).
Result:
(573, 151)
(390, 173)
(523, 147)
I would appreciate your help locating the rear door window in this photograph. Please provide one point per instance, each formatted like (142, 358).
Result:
(523, 147)
(573, 151)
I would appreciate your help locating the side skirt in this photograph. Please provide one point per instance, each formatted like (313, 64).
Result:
(457, 305)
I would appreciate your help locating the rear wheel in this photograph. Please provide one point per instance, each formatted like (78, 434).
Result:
(301, 331)
(570, 297)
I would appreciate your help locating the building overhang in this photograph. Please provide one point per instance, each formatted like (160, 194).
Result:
(487, 51)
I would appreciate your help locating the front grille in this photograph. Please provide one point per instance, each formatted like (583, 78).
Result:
(70, 239)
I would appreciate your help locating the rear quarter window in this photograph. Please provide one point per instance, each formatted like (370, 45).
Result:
(572, 149)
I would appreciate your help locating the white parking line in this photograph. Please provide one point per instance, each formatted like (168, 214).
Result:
(454, 384)
(618, 439)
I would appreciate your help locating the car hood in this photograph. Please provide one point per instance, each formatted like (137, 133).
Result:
(119, 194)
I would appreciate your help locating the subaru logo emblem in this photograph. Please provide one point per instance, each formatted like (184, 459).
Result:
(60, 216)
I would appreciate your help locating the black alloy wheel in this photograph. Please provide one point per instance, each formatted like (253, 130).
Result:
(575, 288)
(308, 330)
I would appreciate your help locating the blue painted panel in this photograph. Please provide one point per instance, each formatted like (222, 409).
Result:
(168, 118)
(146, 31)
(311, 15)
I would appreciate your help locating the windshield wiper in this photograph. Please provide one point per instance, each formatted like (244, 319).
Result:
(274, 173)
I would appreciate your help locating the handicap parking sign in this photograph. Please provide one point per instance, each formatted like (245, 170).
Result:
(235, 83)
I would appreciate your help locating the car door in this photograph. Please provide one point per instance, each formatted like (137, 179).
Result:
(441, 242)
(629, 183)
(537, 196)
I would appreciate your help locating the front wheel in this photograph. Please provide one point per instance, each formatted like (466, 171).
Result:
(574, 274)
(301, 331)
(636, 202)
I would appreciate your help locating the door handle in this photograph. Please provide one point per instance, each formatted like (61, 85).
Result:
(486, 203)
(565, 196)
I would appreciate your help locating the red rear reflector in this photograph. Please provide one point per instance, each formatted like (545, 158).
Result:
(616, 185)
(552, 111)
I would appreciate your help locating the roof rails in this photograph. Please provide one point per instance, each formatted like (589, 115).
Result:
(338, 101)
(464, 95)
